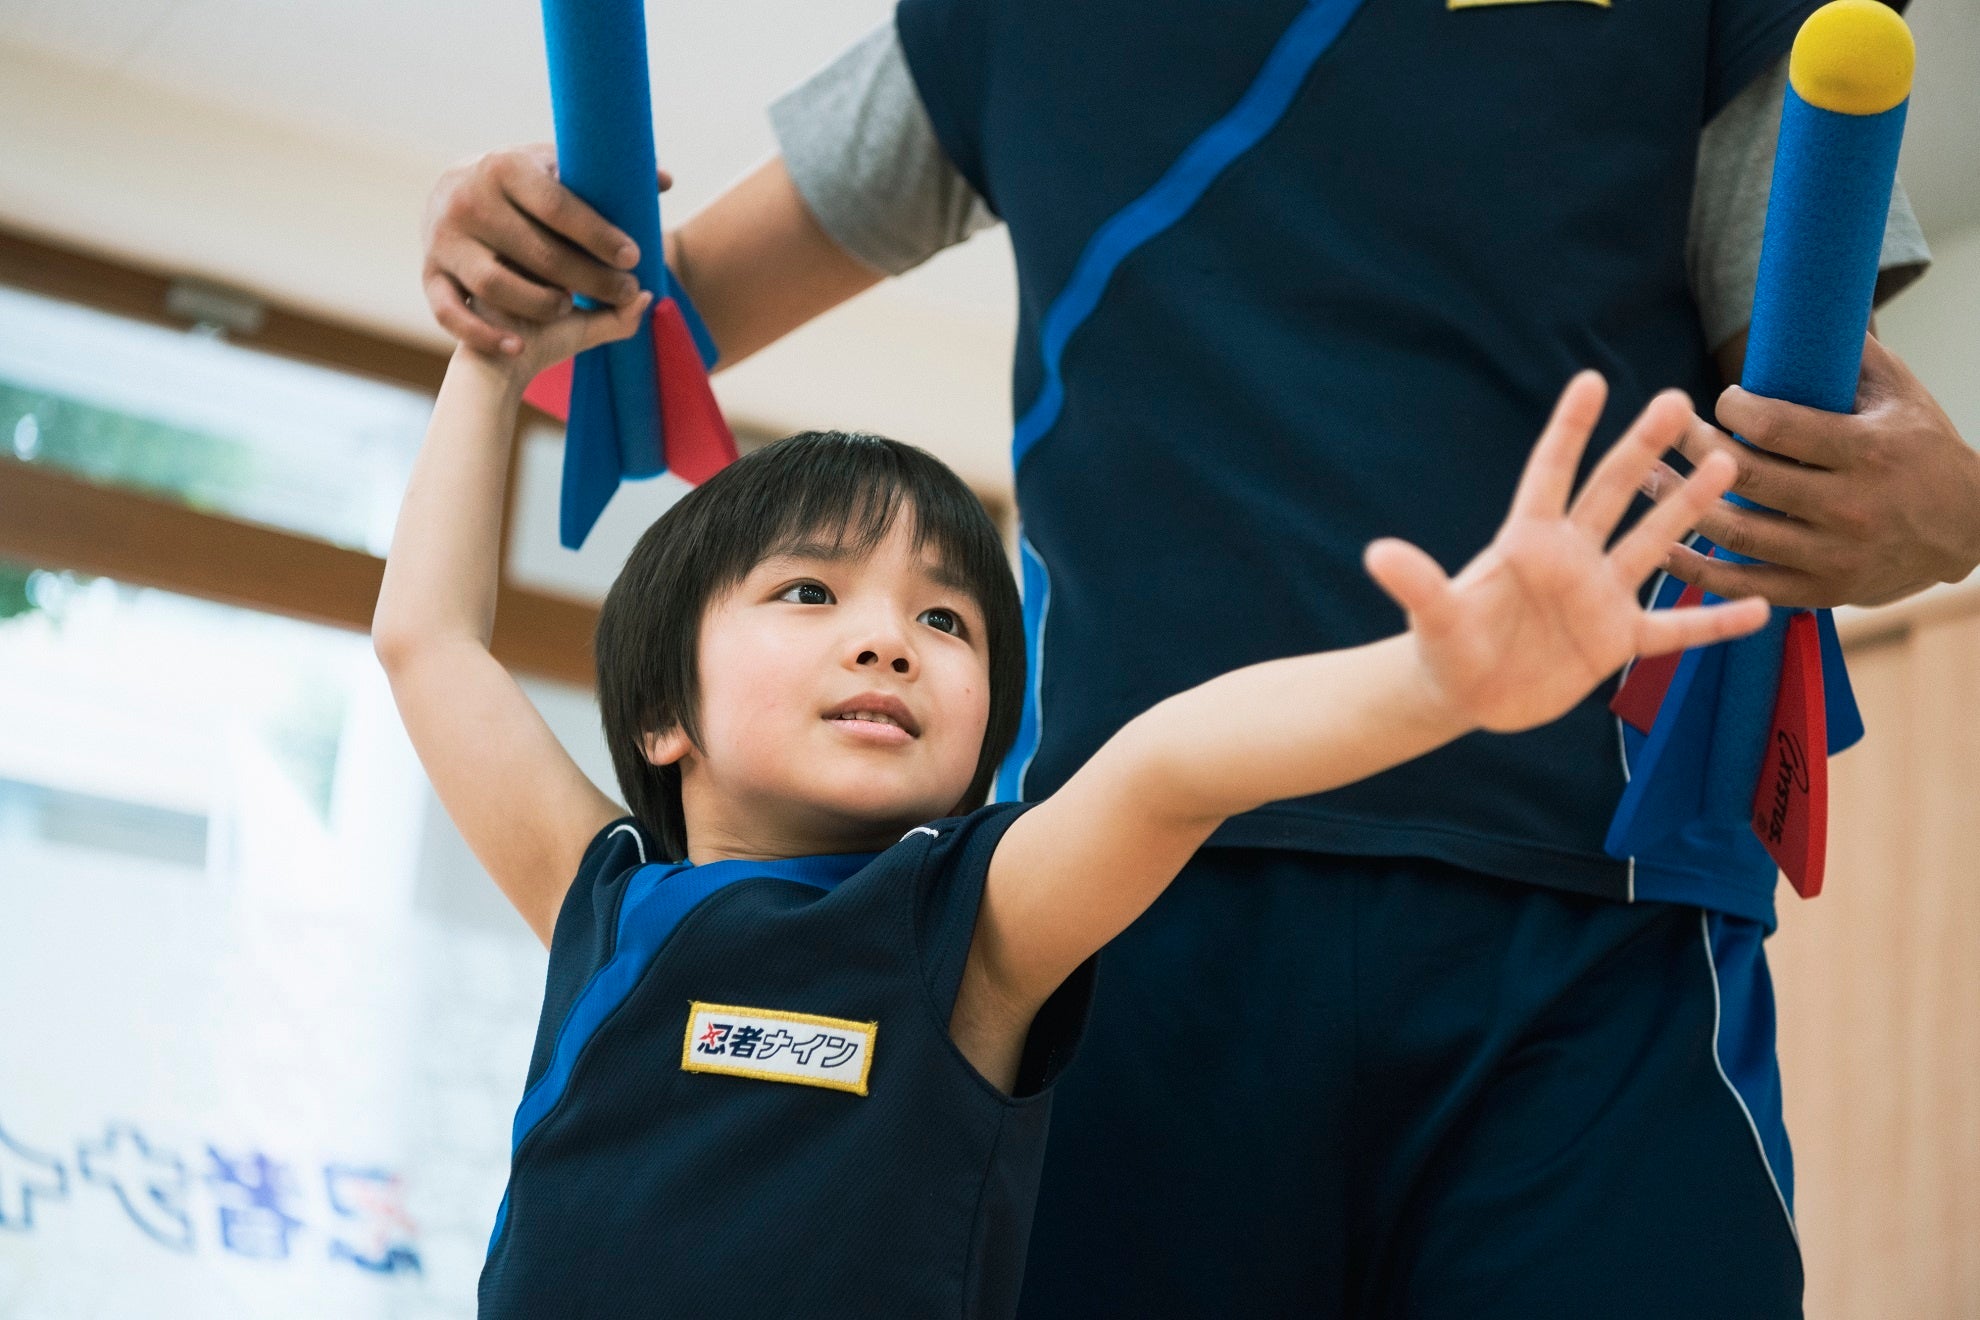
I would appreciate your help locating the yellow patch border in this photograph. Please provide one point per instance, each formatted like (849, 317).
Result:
(1492, 4)
(870, 1030)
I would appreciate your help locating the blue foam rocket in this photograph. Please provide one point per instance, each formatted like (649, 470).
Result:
(1727, 759)
(641, 406)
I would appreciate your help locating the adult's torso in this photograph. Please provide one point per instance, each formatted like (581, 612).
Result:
(1355, 330)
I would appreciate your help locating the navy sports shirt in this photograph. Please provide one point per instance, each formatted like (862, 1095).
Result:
(744, 1100)
(1293, 276)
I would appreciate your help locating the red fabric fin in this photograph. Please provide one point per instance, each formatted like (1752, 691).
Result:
(1791, 801)
(699, 443)
(551, 390)
(1636, 703)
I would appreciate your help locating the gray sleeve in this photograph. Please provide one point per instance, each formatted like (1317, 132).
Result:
(1729, 211)
(865, 158)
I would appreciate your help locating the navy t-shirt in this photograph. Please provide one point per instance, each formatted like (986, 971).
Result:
(1294, 276)
(744, 1100)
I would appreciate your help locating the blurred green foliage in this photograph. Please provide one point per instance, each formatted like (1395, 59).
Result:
(105, 445)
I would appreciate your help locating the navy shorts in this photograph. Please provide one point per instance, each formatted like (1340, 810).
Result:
(1377, 1087)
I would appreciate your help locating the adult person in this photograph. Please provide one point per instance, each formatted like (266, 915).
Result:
(1417, 1047)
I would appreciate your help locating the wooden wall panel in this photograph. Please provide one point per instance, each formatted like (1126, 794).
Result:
(54, 520)
(1878, 982)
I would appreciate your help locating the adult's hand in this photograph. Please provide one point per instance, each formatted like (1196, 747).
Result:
(1869, 507)
(501, 229)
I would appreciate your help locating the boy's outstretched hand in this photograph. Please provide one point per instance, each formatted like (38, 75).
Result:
(1548, 609)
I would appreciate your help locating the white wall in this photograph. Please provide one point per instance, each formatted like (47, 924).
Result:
(1935, 327)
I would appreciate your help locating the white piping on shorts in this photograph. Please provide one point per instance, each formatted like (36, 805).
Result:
(1705, 930)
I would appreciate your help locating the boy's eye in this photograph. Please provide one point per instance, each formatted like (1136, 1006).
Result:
(947, 621)
(806, 593)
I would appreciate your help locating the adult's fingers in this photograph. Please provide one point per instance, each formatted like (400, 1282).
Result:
(1789, 588)
(535, 251)
(459, 320)
(1772, 482)
(1659, 631)
(1612, 486)
(1648, 544)
(1806, 435)
(545, 155)
(1556, 457)
(560, 210)
(1768, 537)
(494, 284)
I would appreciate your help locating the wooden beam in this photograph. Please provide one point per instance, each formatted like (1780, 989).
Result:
(67, 273)
(52, 520)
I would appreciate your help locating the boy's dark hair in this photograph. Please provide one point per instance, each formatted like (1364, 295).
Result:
(848, 489)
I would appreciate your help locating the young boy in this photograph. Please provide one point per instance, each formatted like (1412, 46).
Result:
(804, 1006)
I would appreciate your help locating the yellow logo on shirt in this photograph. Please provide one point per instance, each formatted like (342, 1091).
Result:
(774, 1046)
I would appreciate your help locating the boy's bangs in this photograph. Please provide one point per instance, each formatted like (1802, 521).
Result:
(852, 508)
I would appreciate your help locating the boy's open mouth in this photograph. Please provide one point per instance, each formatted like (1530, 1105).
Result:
(876, 710)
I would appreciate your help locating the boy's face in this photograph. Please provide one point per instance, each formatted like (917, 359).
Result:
(843, 701)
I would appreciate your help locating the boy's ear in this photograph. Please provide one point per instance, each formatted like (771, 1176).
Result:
(666, 746)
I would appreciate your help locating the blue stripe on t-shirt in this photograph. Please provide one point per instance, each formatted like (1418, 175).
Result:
(1261, 107)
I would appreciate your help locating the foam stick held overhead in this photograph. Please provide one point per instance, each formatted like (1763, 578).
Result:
(1736, 754)
(641, 406)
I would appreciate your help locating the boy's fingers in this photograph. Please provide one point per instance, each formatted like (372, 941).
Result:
(1614, 484)
(1550, 468)
(613, 323)
(1649, 543)
(666, 181)
(459, 320)
(560, 210)
(1412, 578)
(1659, 631)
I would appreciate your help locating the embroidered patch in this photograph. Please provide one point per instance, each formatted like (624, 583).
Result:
(775, 1046)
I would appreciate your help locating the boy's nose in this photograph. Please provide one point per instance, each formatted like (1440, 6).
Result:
(898, 660)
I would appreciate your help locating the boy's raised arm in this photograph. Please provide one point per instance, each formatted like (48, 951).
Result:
(512, 790)
(1522, 634)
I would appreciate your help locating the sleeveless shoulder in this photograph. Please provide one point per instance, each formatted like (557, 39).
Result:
(586, 925)
(953, 864)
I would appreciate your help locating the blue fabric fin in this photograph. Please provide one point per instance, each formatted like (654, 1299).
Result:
(704, 342)
(1845, 721)
(1749, 682)
(1667, 775)
(591, 471)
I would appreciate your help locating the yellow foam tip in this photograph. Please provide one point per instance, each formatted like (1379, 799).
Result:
(1853, 57)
